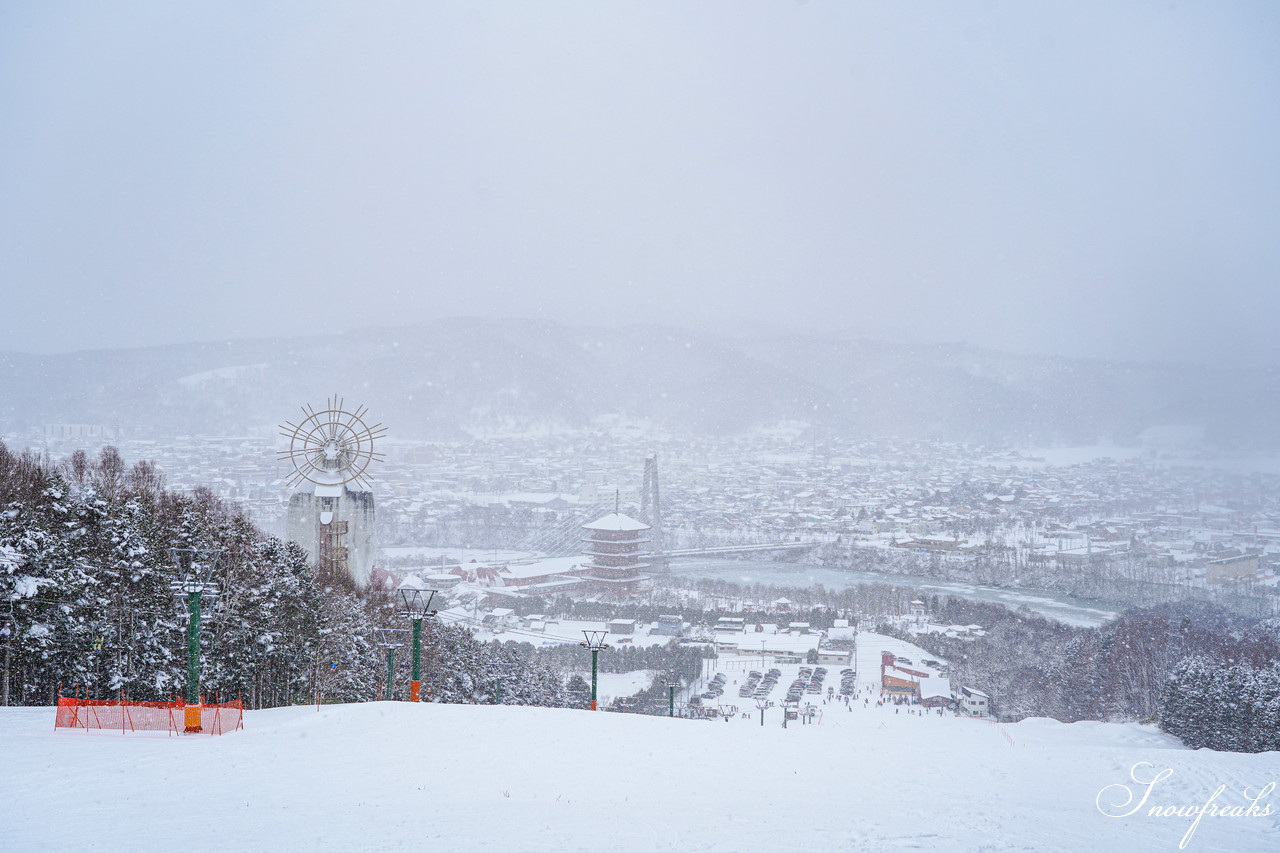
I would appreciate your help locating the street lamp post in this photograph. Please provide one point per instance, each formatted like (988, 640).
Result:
(194, 568)
(391, 639)
(595, 642)
(416, 606)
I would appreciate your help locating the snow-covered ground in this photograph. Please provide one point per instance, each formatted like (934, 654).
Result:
(612, 685)
(395, 776)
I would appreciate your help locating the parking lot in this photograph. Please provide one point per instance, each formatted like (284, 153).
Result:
(733, 685)
(736, 686)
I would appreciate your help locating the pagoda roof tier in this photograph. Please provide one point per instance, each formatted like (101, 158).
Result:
(639, 540)
(616, 580)
(628, 554)
(615, 568)
(616, 521)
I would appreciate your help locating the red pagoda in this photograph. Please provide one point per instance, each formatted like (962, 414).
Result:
(616, 545)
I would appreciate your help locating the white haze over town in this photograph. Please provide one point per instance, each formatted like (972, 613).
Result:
(1084, 179)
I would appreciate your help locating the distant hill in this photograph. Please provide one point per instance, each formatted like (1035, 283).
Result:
(448, 378)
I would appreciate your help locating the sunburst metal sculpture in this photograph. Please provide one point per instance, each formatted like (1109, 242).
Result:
(332, 446)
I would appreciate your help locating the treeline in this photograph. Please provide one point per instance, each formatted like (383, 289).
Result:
(1235, 708)
(1204, 674)
(700, 602)
(579, 609)
(854, 601)
(655, 700)
(676, 661)
(86, 603)
(1133, 578)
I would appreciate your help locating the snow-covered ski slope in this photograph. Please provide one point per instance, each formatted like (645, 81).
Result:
(394, 776)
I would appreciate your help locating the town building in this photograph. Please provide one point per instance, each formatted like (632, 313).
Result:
(975, 703)
(835, 657)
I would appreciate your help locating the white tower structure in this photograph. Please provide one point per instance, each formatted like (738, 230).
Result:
(331, 450)
(651, 514)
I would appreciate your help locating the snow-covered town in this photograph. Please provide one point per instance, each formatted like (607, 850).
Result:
(1136, 514)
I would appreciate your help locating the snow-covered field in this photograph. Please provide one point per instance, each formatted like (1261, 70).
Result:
(395, 776)
(1049, 604)
(611, 685)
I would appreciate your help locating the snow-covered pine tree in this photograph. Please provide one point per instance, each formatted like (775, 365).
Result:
(1264, 696)
(138, 611)
(266, 627)
(50, 587)
(1187, 710)
(348, 664)
(578, 692)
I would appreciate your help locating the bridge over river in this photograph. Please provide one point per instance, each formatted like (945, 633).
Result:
(796, 548)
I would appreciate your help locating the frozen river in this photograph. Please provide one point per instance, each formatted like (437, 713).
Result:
(1063, 608)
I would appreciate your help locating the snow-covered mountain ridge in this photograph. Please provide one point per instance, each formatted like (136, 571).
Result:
(445, 379)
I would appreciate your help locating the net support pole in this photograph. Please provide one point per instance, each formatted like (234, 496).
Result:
(191, 715)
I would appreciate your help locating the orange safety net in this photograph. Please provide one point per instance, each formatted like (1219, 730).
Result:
(226, 717)
(129, 716)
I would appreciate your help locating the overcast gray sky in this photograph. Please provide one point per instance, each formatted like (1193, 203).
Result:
(1078, 178)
